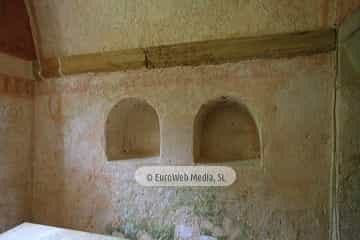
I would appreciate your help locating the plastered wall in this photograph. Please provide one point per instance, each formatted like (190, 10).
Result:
(284, 195)
(83, 26)
(88, 26)
(16, 113)
(348, 131)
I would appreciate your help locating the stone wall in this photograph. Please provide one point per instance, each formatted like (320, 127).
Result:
(348, 130)
(16, 113)
(282, 195)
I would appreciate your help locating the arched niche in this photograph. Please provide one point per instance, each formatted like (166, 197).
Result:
(225, 131)
(132, 130)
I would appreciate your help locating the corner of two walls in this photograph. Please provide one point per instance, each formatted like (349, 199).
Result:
(16, 133)
(347, 190)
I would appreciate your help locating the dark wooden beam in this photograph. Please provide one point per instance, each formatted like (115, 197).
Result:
(195, 53)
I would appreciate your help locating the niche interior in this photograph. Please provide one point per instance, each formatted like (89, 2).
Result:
(225, 131)
(132, 131)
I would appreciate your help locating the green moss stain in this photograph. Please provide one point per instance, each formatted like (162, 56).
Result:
(182, 206)
(130, 229)
(204, 204)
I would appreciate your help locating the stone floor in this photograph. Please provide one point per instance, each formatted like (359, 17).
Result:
(29, 231)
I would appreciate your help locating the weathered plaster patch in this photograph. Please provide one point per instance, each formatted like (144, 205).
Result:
(15, 160)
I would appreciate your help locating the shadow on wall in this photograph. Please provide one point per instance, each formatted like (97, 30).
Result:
(132, 130)
(225, 131)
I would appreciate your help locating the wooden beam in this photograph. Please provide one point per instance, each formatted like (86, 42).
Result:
(103, 62)
(97, 62)
(233, 50)
(195, 53)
